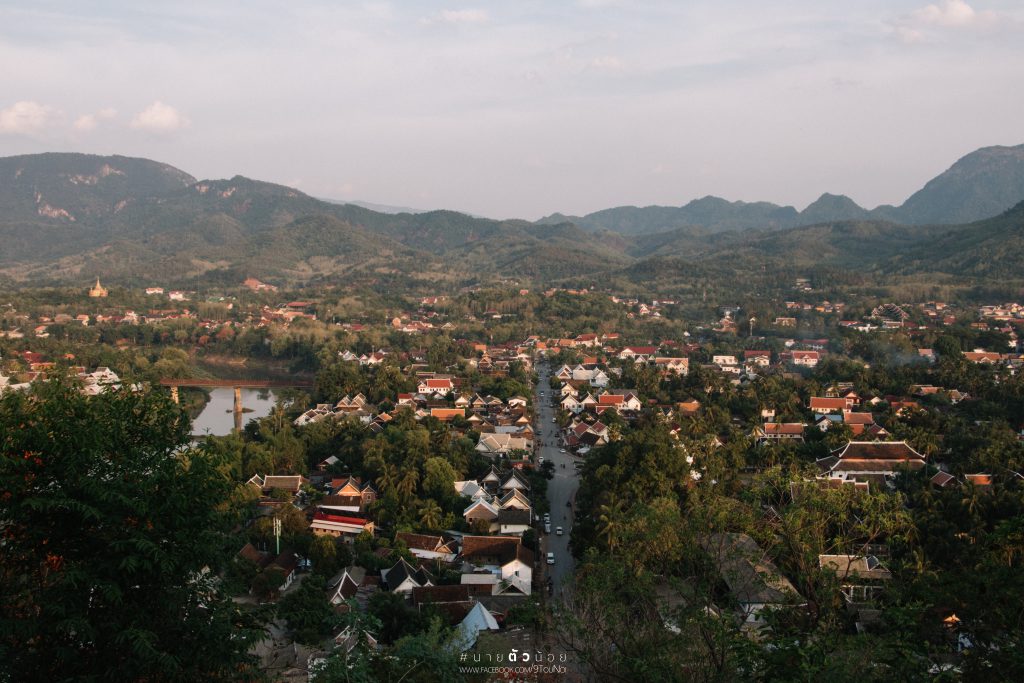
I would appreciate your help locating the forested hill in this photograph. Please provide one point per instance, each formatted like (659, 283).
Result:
(982, 184)
(990, 252)
(69, 218)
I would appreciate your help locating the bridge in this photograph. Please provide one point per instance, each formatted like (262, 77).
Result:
(236, 384)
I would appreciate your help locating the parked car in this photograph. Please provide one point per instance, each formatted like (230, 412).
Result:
(547, 527)
(551, 558)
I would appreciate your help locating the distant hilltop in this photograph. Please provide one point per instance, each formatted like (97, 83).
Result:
(980, 185)
(72, 217)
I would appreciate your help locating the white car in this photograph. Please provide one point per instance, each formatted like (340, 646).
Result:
(551, 558)
(558, 531)
(561, 450)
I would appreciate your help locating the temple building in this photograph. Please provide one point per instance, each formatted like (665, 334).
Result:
(97, 290)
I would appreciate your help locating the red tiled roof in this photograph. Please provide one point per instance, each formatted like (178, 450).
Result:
(339, 519)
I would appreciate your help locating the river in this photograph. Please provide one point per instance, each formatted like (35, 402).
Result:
(218, 416)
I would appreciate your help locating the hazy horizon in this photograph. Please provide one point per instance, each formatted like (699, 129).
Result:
(527, 109)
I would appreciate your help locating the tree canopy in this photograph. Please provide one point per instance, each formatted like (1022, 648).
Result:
(111, 535)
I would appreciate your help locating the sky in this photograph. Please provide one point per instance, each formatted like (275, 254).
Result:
(520, 109)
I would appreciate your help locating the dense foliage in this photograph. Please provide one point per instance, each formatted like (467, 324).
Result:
(111, 540)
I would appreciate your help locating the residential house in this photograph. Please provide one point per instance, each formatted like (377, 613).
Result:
(502, 444)
(861, 578)
(345, 585)
(346, 527)
(496, 565)
(823, 404)
(668, 365)
(874, 461)
(761, 359)
(779, 431)
(470, 489)
(403, 577)
(436, 385)
(638, 352)
(481, 513)
(807, 359)
(752, 578)
(427, 547)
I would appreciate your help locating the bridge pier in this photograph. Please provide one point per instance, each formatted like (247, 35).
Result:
(238, 409)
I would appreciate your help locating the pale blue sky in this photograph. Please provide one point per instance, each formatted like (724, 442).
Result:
(523, 108)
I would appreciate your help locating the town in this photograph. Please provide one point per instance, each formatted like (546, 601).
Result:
(804, 469)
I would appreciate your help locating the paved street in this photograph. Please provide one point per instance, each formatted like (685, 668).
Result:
(561, 489)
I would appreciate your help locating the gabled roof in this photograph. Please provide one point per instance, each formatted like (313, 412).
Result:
(440, 594)
(828, 403)
(345, 584)
(401, 571)
(784, 428)
(503, 548)
(872, 457)
(514, 517)
(289, 483)
(514, 495)
(423, 542)
(854, 566)
(747, 570)
(481, 503)
(877, 450)
(515, 480)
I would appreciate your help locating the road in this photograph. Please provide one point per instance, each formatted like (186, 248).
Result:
(561, 489)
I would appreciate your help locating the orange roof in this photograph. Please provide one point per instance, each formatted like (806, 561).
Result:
(445, 414)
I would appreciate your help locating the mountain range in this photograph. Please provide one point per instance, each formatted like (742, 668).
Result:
(979, 185)
(70, 217)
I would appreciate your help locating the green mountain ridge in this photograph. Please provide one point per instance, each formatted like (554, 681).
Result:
(140, 220)
(979, 185)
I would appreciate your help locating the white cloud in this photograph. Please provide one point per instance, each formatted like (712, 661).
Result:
(159, 118)
(928, 23)
(27, 117)
(952, 13)
(457, 16)
(607, 62)
(88, 122)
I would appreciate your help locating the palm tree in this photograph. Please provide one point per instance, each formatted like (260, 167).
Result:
(406, 484)
(388, 478)
(610, 524)
(430, 514)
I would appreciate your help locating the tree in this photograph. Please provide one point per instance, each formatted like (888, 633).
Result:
(439, 478)
(323, 552)
(405, 487)
(307, 611)
(111, 542)
(430, 515)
